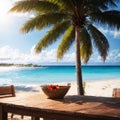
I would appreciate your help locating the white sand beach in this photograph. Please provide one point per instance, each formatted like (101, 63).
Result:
(98, 88)
(102, 88)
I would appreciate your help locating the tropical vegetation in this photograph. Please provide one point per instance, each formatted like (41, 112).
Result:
(18, 65)
(74, 21)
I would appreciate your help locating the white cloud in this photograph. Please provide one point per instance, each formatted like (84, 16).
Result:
(114, 33)
(114, 56)
(32, 16)
(10, 55)
(15, 0)
(19, 14)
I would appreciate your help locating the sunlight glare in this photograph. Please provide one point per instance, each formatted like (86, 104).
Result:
(4, 8)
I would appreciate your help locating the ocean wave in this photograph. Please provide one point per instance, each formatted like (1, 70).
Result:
(5, 81)
(5, 69)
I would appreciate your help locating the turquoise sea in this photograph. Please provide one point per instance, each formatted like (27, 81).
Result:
(55, 74)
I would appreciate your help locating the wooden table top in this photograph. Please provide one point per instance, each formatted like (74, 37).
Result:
(78, 104)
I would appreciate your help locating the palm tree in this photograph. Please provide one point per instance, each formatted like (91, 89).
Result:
(75, 21)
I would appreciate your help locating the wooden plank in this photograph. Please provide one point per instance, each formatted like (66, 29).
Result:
(13, 90)
(7, 90)
(116, 92)
(3, 114)
(55, 114)
(35, 118)
(70, 108)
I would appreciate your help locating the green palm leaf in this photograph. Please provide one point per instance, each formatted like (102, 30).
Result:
(41, 21)
(110, 18)
(104, 4)
(34, 5)
(100, 41)
(55, 32)
(93, 6)
(66, 42)
(65, 4)
(85, 45)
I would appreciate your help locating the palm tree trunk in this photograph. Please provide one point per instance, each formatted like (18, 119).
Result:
(78, 63)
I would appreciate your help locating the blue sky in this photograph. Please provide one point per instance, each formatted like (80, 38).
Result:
(16, 47)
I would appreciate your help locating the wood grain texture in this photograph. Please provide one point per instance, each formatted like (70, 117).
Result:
(7, 90)
(116, 92)
(69, 108)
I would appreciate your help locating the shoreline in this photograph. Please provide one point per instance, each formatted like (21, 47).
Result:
(103, 88)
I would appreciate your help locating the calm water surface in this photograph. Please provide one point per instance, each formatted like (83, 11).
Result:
(56, 74)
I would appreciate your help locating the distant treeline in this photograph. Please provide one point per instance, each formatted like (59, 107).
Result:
(18, 65)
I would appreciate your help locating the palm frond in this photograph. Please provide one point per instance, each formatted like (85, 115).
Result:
(96, 4)
(100, 41)
(66, 42)
(65, 5)
(41, 21)
(110, 18)
(34, 5)
(93, 6)
(107, 3)
(85, 45)
(102, 4)
(55, 32)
